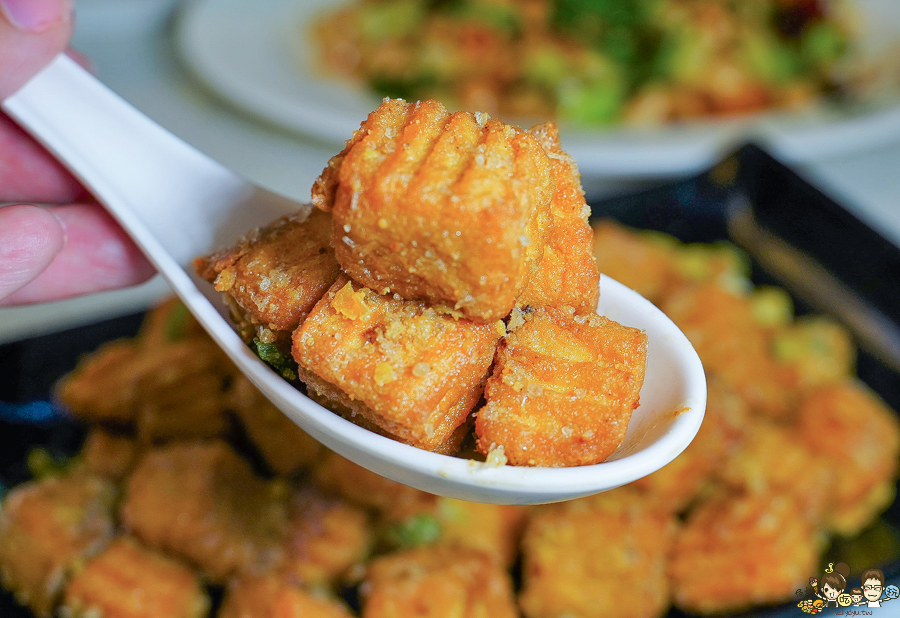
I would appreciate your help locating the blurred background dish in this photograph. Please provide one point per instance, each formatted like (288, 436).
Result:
(264, 59)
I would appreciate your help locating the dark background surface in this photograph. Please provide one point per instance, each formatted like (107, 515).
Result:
(693, 210)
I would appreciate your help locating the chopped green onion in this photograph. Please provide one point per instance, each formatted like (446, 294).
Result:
(417, 530)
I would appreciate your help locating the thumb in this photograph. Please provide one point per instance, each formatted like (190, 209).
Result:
(30, 237)
(32, 33)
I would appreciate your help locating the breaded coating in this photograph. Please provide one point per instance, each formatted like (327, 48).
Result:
(46, 527)
(184, 394)
(858, 436)
(563, 388)
(130, 581)
(448, 208)
(399, 364)
(437, 582)
(490, 528)
(107, 454)
(273, 276)
(271, 597)
(773, 459)
(283, 445)
(337, 475)
(738, 551)
(732, 345)
(595, 557)
(324, 540)
(168, 390)
(102, 386)
(725, 424)
(568, 274)
(331, 398)
(200, 500)
(634, 259)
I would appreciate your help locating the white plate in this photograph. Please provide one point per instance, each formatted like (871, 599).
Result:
(257, 55)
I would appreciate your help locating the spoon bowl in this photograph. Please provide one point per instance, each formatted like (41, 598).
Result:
(177, 203)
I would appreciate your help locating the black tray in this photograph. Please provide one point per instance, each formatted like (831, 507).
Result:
(798, 238)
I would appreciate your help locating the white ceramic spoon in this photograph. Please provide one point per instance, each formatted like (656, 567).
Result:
(177, 204)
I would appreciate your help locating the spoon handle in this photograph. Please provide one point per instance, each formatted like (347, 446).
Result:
(165, 193)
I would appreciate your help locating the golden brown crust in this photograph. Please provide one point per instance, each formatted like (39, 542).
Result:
(401, 365)
(446, 208)
(200, 500)
(491, 529)
(130, 581)
(724, 426)
(108, 455)
(184, 393)
(562, 390)
(278, 272)
(102, 387)
(172, 389)
(437, 581)
(272, 597)
(858, 439)
(45, 528)
(633, 259)
(329, 396)
(585, 557)
(324, 540)
(325, 186)
(738, 551)
(732, 345)
(336, 475)
(285, 447)
(567, 275)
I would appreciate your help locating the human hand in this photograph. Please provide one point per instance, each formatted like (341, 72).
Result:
(74, 247)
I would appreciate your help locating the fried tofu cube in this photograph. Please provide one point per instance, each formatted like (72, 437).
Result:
(447, 208)
(184, 394)
(492, 529)
(130, 581)
(102, 386)
(724, 427)
(567, 275)
(273, 276)
(272, 597)
(46, 527)
(108, 455)
(738, 551)
(437, 582)
(337, 475)
(772, 459)
(733, 346)
(171, 390)
(596, 557)
(634, 259)
(202, 501)
(327, 398)
(563, 388)
(398, 364)
(283, 445)
(325, 539)
(858, 437)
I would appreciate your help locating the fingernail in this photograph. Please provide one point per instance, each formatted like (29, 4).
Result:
(35, 15)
